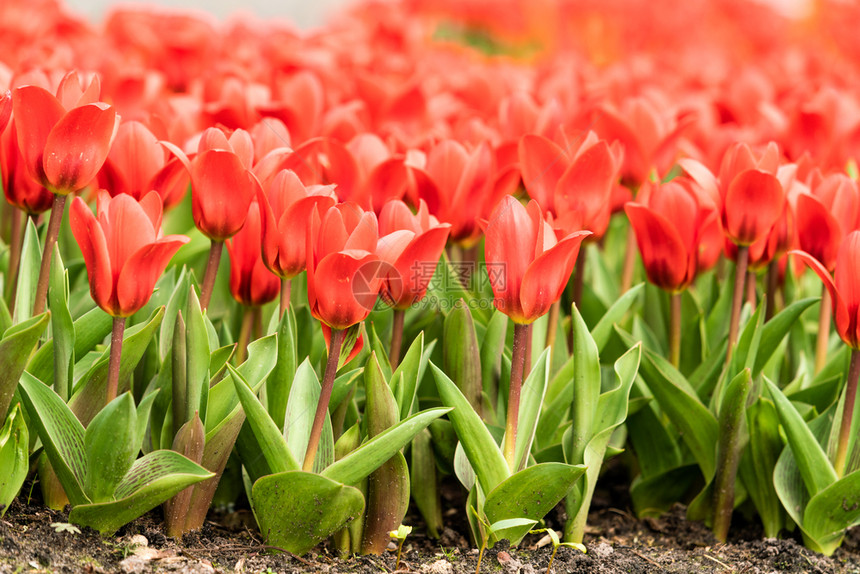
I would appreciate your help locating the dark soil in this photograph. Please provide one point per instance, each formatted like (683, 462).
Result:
(35, 539)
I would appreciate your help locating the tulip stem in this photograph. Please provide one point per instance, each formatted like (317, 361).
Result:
(847, 413)
(552, 323)
(50, 239)
(244, 334)
(752, 299)
(824, 315)
(579, 283)
(772, 288)
(629, 261)
(518, 359)
(738, 298)
(15, 244)
(115, 357)
(337, 337)
(396, 338)
(286, 287)
(211, 272)
(675, 329)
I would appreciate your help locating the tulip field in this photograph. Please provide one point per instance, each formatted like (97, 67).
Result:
(489, 270)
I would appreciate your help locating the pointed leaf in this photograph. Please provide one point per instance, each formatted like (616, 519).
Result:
(110, 446)
(15, 348)
(280, 382)
(833, 510)
(14, 445)
(62, 327)
(776, 329)
(91, 328)
(533, 392)
(28, 274)
(602, 331)
(405, 379)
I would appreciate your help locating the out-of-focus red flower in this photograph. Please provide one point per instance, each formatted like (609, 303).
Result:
(528, 267)
(678, 233)
(251, 283)
(342, 265)
(5, 110)
(411, 244)
(286, 208)
(138, 164)
(843, 290)
(826, 215)
(63, 140)
(19, 188)
(750, 197)
(576, 187)
(124, 249)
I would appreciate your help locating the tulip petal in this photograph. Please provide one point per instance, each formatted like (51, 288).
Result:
(547, 276)
(36, 112)
(91, 239)
(818, 231)
(586, 186)
(664, 254)
(222, 191)
(847, 282)
(348, 286)
(543, 164)
(511, 236)
(78, 146)
(753, 203)
(417, 264)
(139, 274)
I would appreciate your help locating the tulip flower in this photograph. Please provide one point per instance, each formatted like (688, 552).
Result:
(125, 253)
(63, 145)
(411, 245)
(678, 233)
(286, 207)
(5, 110)
(528, 269)
(251, 283)
(845, 303)
(343, 274)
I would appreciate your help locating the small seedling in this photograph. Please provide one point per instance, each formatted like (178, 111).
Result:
(65, 527)
(556, 543)
(400, 535)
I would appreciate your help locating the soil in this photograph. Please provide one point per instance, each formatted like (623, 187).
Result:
(36, 539)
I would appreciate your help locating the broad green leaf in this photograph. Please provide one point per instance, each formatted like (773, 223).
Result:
(343, 386)
(812, 461)
(530, 493)
(110, 446)
(380, 410)
(15, 348)
(62, 327)
(602, 331)
(61, 433)
(758, 463)
(776, 329)
(531, 401)
(377, 346)
(89, 396)
(387, 500)
(301, 409)
(655, 494)
(461, 355)
(423, 482)
(280, 382)
(152, 480)
(586, 385)
(404, 381)
(482, 451)
(492, 349)
(717, 323)
(28, 274)
(178, 301)
(833, 510)
(197, 355)
(91, 328)
(679, 401)
(269, 439)
(557, 401)
(297, 510)
(365, 459)
(14, 443)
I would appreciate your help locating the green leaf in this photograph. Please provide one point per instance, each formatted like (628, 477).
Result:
(110, 446)
(483, 452)
(776, 329)
(197, 361)
(531, 494)
(14, 444)
(89, 396)
(405, 378)
(271, 442)
(297, 510)
(301, 409)
(280, 382)
(602, 331)
(152, 480)
(492, 350)
(62, 326)
(15, 348)
(812, 461)
(28, 274)
(758, 463)
(380, 410)
(532, 393)
(586, 385)
(61, 433)
(461, 356)
(423, 483)
(677, 398)
(833, 510)
(387, 500)
(365, 459)
(91, 328)
(178, 301)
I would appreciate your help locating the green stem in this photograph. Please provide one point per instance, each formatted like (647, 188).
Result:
(824, 315)
(396, 338)
(211, 272)
(847, 413)
(675, 329)
(244, 334)
(629, 261)
(286, 286)
(751, 284)
(552, 323)
(115, 357)
(772, 288)
(337, 337)
(738, 298)
(50, 239)
(518, 358)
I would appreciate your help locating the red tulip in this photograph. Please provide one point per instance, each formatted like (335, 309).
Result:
(5, 110)
(62, 149)
(411, 245)
(251, 283)
(123, 248)
(20, 189)
(342, 265)
(286, 209)
(844, 295)
(528, 268)
(674, 228)
(576, 187)
(826, 215)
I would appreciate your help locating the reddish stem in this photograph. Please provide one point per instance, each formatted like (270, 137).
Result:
(396, 338)
(847, 413)
(286, 287)
(738, 298)
(337, 336)
(50, 239)
(115, 358)
(518, 358)
(211, 272)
